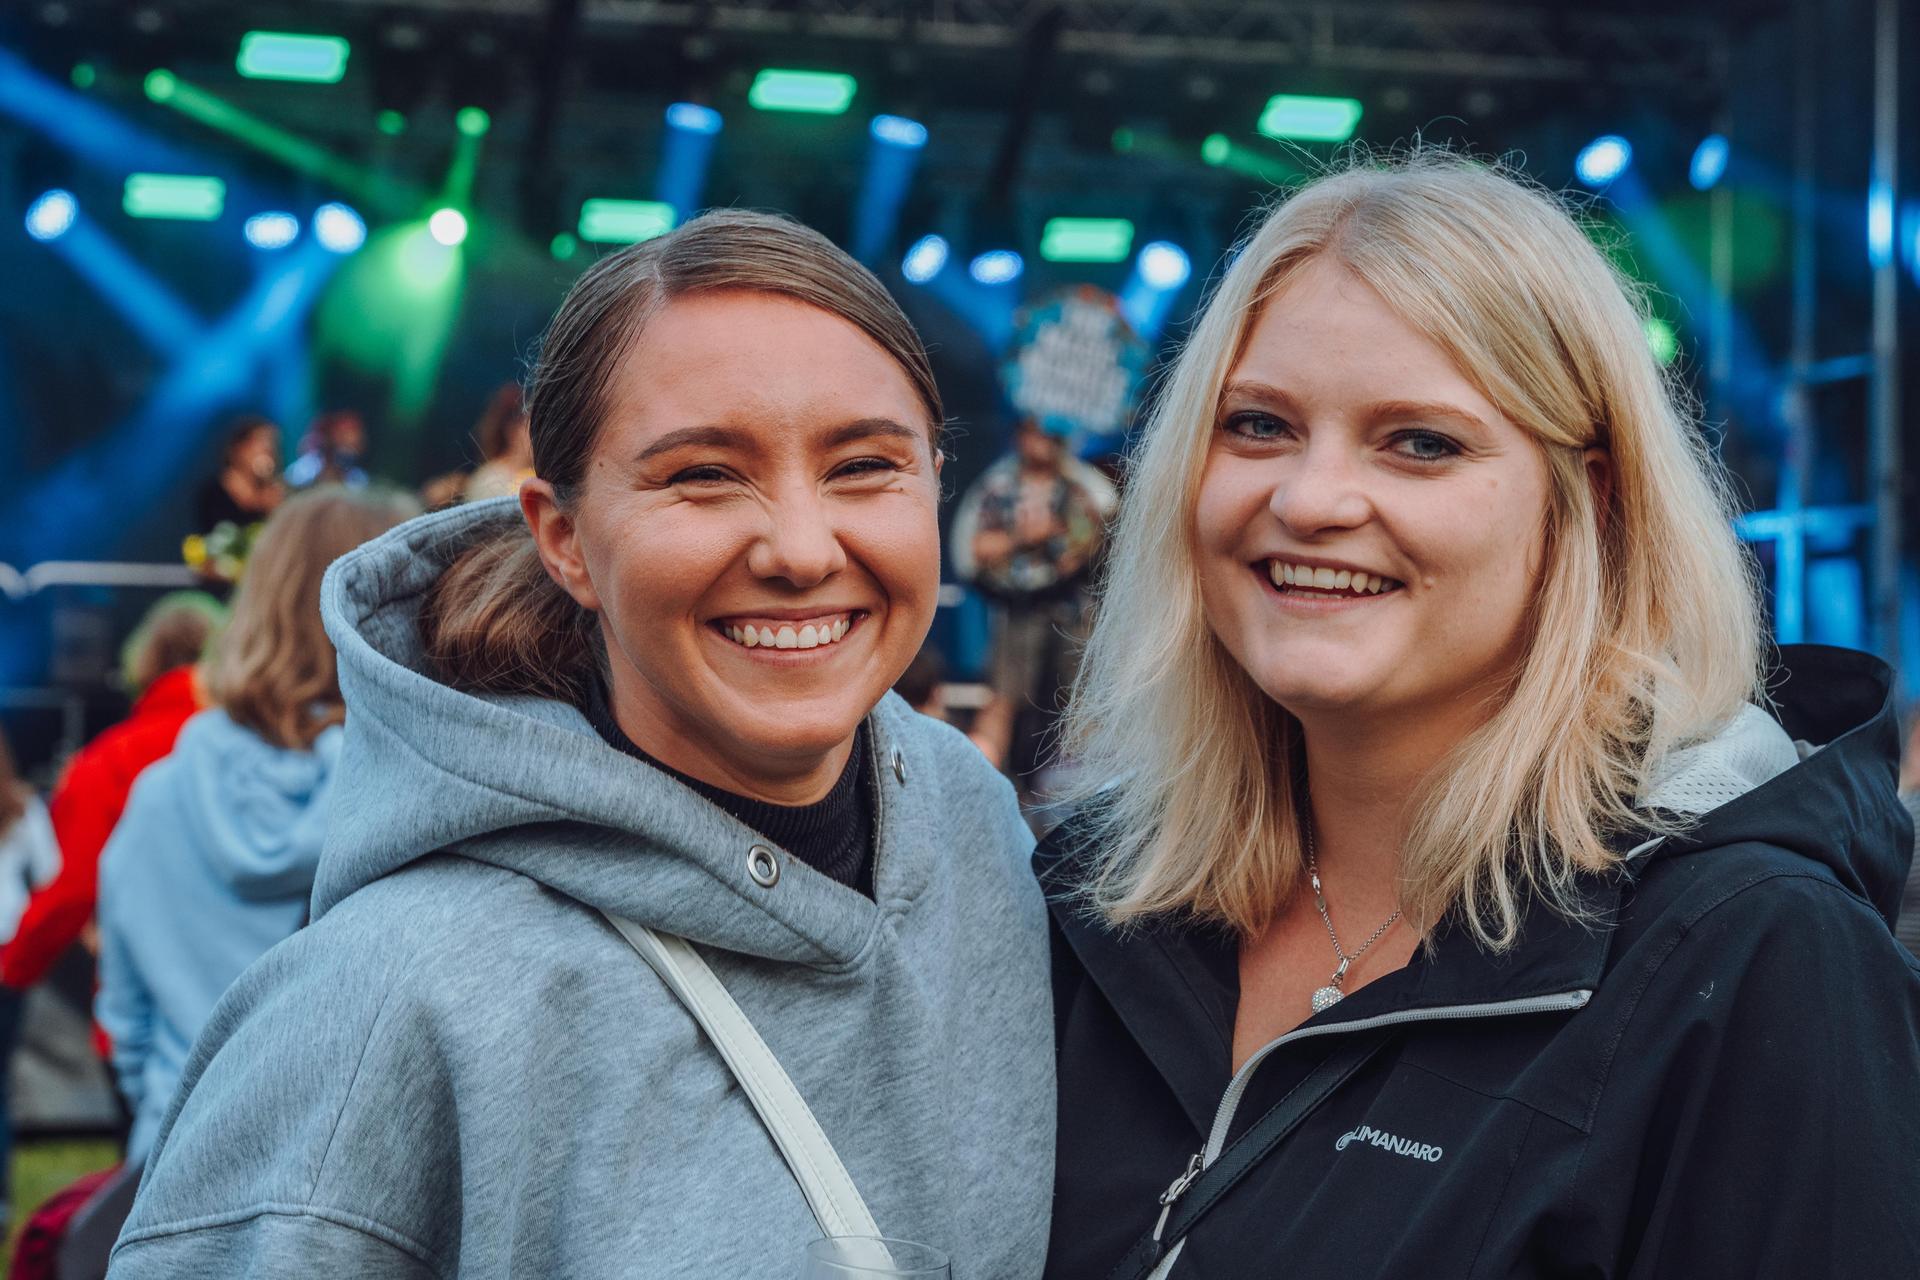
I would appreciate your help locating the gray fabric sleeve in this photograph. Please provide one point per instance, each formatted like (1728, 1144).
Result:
(270, 1241)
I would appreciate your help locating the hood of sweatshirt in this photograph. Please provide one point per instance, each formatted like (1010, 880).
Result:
(1815, 775)
(526, 784)
(257, 813)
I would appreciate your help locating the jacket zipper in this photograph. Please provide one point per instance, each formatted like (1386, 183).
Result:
(1237, 1087)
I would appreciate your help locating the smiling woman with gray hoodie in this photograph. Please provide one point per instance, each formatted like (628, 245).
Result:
(652, 697)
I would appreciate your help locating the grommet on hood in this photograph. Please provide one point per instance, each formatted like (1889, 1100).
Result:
(763, 865)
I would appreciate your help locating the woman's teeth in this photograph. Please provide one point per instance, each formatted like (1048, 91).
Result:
(783, 635)
(1320, 578)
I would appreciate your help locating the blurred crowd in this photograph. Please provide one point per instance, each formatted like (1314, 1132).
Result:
(250, 480)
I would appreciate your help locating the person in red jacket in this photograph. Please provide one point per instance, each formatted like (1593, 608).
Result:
(87, 801)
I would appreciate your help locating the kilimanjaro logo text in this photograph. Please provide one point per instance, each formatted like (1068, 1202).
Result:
(1386, 1141)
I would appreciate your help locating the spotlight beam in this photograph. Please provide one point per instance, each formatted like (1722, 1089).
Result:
(893, 152)
(686, 153)
(390, 198)
(1223, 152)
(148, 306)
(1753, 387)
(86, 128)
(78, 507)
(457, 190)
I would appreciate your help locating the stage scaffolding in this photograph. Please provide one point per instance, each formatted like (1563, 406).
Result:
(1572, 44)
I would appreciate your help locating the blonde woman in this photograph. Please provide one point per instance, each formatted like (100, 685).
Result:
(1439, 832)
(213, 860)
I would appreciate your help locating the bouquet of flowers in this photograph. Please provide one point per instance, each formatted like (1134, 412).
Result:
(221, 553)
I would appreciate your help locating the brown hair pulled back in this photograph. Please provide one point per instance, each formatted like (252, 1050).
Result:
(495, 621)
(273, 669)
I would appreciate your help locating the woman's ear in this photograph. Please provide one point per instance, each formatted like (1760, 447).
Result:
(1600, 480)
(557, 538)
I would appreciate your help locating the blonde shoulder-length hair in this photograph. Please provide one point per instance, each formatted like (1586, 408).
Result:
(273, 669)
(1644, 633)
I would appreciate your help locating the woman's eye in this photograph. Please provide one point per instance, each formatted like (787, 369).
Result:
(1425, 446)
(1257, 426)
(700, 475)
(865, 467)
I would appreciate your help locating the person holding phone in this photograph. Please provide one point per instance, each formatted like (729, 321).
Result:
(648, 699)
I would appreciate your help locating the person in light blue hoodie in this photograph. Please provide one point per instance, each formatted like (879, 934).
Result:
(212, 861)
(654, 692)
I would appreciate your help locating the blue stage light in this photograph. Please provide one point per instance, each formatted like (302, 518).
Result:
(899, 131)
(1880, 222)
(272, 230)
(1709, 162)
(693, 118)
(50, 217)
(997, 266)
(892, 156)
(686, 153)
(1603, 160)
(925, 260)
(338, 228)
(1164, 265)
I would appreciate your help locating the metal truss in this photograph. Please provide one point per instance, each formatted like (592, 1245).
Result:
(1566, 44)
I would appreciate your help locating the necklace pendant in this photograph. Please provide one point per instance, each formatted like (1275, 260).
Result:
(1327, 997)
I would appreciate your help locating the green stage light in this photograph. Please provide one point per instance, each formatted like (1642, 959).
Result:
(1295, 117)
(470, 126)
(1123, 140)
(1086, 240)
(370, 191)
(425, 261)
(826, 93)
(1662, 340)
(624, 221)
(277, 55)
(391, 123)
(448, 226)
(565, 245)
(84, 75)
(389, 312)
(173, 195)
(1223, 152)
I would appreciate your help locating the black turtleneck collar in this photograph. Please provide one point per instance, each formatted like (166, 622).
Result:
(833, 835)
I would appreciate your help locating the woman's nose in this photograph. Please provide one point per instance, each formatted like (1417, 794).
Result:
(799, 543)
(1321, 487)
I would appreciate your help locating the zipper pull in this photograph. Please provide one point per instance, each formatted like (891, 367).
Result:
(1175, 1190)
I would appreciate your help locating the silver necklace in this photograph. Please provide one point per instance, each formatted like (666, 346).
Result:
(1331, 994)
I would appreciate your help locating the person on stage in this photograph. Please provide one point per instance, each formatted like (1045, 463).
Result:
(247, 487)
(1447, 827)
(650, 694)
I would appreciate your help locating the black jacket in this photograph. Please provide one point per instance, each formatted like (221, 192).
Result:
(1722, 1082)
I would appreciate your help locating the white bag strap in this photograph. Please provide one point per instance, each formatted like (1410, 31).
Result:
(816, 1166)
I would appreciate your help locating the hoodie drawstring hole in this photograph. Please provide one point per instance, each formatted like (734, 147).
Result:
(763, 866)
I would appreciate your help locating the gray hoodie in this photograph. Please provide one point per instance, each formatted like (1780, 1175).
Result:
(461, 1070)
